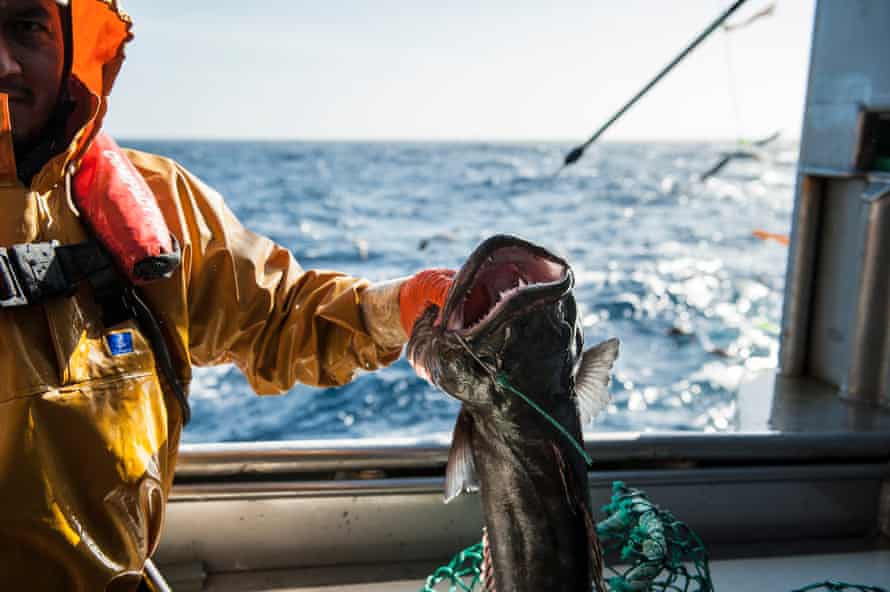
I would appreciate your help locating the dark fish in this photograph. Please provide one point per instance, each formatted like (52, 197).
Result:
(509, 326)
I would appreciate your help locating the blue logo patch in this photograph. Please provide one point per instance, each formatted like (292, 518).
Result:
(120, 343)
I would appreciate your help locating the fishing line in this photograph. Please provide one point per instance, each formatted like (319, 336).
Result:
(491, 372)
(502, 381)
(732, 82)
(731, 86)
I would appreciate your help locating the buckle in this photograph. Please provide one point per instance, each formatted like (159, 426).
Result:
(31, 273)
(11, 293)
(39, 271)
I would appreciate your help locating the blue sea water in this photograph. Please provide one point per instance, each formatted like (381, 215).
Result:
(663, 261)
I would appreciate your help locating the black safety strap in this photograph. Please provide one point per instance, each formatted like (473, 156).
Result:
(152, 330)
(33, 273)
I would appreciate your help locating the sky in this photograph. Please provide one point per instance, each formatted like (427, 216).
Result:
(457, 70)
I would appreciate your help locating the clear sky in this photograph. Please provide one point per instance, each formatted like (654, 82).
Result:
(461, 69)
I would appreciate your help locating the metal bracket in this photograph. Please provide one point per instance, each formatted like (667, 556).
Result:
(11, 293)
(876, 190)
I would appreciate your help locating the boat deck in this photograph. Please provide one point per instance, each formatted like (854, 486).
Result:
(801, 498)
(779, 574)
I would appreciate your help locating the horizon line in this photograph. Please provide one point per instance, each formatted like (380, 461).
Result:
(407, 140)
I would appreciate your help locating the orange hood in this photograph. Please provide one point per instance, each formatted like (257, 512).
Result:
(100, 30)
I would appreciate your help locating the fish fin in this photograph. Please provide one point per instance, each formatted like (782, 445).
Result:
(592, 379)
(460, 475)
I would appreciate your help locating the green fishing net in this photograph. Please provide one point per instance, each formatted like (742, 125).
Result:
(461, 575)
(661, 553)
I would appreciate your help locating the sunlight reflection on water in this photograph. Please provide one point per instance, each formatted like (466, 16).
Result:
(663, 261)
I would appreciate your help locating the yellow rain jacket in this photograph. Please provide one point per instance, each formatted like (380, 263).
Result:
(88, 439)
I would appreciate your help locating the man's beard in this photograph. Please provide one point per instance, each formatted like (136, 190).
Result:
(33, 153)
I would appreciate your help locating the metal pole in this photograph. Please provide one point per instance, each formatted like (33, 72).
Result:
(154, 581)
(578, 151)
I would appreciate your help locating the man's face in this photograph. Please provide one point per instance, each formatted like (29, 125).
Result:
(32, 57)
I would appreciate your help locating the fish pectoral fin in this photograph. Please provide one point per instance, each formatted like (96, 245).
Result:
(460, 475)
(592, 379)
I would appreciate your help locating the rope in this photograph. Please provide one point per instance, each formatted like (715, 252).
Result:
(731, 86)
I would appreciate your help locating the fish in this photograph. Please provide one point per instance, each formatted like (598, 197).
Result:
(508, 344)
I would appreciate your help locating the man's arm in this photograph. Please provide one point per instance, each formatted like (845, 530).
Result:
(250, 303)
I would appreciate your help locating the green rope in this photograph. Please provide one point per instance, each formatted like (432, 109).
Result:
(502, 381)
(466, 565)
(657, 546)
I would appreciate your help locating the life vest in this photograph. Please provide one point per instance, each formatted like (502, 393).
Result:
(132, 247)
(120, 208)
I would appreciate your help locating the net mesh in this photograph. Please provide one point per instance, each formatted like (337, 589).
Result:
(662, 553)
(461, 575)
(659, 553)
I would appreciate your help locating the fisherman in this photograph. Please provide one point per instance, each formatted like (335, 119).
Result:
(93, 385)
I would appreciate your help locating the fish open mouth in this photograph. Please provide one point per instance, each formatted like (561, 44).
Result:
(504, 273)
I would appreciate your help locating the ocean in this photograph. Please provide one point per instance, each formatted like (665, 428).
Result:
(664, 261)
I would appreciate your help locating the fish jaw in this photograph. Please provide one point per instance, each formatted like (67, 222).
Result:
(459, 349)
(504, 276)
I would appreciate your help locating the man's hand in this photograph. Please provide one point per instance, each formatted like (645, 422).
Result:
(390, 309)
(420, 291)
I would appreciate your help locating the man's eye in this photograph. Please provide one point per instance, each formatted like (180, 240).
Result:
(30, 27)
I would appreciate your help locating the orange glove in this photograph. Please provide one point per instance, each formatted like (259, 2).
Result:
(420, 291)
(390, 309)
